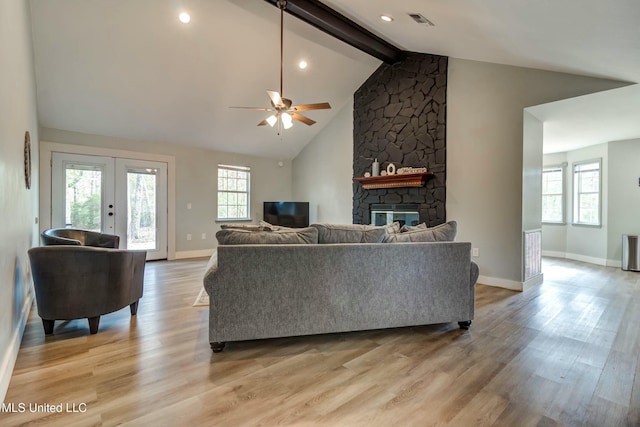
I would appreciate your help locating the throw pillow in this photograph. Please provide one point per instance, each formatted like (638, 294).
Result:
(272, 227)
(392, 228)
(421, 226)
(350, 233)
(293, 236)
(247, 227)
(440, 233)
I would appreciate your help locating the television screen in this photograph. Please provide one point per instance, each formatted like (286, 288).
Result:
(287, 214)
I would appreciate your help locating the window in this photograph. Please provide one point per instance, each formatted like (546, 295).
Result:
(233, 192)
(553, 195)
(586, 193)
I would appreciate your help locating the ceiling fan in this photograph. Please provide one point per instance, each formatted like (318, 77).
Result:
(284, 112)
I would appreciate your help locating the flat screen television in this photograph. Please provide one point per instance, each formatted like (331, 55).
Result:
(287, 214)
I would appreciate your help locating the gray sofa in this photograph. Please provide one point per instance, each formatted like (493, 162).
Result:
(277, 290)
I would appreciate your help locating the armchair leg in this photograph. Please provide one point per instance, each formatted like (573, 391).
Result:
(134, 308)
(93, 324)
(48, 326)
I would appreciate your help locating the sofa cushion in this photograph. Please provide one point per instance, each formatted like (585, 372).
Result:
(440, 233)
(350, 233)
(293, 236)
(421, 226)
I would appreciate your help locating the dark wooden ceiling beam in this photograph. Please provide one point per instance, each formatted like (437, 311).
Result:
(331, 22)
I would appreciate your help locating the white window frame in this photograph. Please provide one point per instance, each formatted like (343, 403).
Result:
(577, 192)
(561, 169)
(245, 169)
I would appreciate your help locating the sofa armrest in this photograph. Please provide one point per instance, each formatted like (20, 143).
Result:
(474, 273)
(210, 271)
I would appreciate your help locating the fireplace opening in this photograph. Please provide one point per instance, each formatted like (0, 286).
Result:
(405, 214)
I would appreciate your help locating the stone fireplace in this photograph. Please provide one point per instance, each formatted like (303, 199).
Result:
(400, 118)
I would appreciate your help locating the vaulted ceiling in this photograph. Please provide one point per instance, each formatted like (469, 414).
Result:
(131, 69)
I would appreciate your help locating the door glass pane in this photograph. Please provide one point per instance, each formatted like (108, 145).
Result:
(141, 209)
(83, 201)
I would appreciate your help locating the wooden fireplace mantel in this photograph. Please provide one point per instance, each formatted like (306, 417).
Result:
(395, 180)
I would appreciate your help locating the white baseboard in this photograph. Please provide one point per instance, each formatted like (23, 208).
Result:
(11, 353)
(195, 254)
(534, 281)
(554, 254)
(579, 257)
(589, 259)
(614, 263)
(500, 283)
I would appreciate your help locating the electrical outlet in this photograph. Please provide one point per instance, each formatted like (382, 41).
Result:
(188, 205)
(204, 236)
(475, 252)
(188, 236)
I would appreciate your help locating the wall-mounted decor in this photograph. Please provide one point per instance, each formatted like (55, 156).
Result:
(27, 159)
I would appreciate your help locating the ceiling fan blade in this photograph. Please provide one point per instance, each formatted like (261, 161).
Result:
(263, 123)
(307, 107)
(304, 119)
(276, 99)
(255, 108)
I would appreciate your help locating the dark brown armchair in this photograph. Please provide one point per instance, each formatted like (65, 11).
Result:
(75, 236)
(75, 282)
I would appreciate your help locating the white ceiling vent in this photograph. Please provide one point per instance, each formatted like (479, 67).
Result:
(421, 19)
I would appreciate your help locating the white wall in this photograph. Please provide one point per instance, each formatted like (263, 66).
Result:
(554, 236)
(18, 206)
(531, 172)
(196, 183)
(485, 155)
(624, 195)
(323, 171)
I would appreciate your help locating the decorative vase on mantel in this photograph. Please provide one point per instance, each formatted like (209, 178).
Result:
(375, 168)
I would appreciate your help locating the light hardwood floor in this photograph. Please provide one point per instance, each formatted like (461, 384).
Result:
(562, 353)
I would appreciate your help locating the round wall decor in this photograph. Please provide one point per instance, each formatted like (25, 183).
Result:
(27, 159)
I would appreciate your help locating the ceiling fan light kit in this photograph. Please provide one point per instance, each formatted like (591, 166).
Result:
(271, 120)
(284, 112)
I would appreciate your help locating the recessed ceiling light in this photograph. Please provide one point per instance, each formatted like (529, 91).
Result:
(302, 64)
(386, 18)
(184, 18)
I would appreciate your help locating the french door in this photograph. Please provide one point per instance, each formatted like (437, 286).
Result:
(112, 195)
